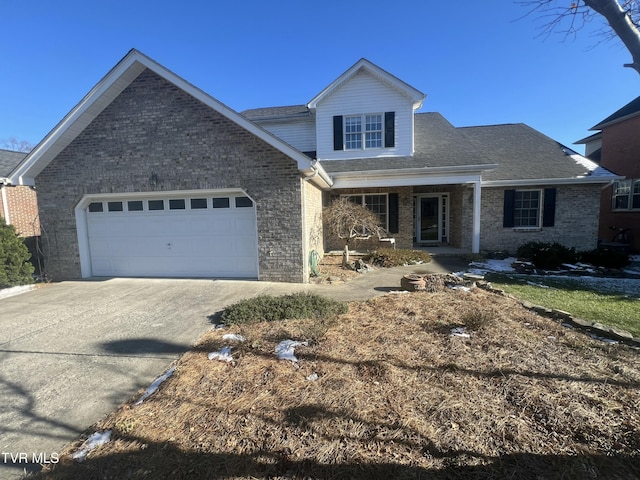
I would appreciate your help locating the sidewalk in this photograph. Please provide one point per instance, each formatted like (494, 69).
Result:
(384, 280)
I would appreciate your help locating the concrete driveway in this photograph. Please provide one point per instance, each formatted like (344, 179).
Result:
(73, 352)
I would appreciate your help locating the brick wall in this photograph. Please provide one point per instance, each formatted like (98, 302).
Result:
(154, 128)
(23, 209)
(620, 154)
(621, 148)
(576, 220)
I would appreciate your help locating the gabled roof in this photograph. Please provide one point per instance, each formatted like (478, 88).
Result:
(106, 91)
(630, 110)
(9, 160)
(526, 157)
(416, 96)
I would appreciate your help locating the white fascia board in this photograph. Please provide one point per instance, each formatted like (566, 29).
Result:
(106, 91)
(416, 95)
(400, 178)
(551, 181)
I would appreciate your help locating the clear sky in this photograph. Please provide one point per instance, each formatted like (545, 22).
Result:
(479, 62)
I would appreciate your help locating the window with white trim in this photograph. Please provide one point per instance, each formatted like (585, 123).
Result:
(526, 209)
(626, 195)
(356, 137)
(377, 203)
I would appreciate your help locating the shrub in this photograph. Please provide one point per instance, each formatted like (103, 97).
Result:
(547, 255)
(266, 308)
(15, 268)
(605, 258)
(388, 257)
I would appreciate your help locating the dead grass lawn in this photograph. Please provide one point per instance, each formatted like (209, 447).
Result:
(396, 397)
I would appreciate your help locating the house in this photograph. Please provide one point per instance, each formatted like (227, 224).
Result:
(616, 147)
(150, 176)
(18, 203)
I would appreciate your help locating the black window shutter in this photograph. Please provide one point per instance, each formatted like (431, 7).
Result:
(338, 143)
(393, 213)
(549, 205)
(389, 129)
(509, 208)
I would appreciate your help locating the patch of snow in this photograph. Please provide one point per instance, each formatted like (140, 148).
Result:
(313, 377)
(459, 332)
(492, 265)
(460, 287)
(285, 350)
(234, 337)
(223, 355)
(12, 291)
(155, 384)
(398, 291)
(603, 339)
(94, 441)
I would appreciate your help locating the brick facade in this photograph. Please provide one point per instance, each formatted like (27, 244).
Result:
(155, 129)
(22, 204)
(576, 220)
(620, 154)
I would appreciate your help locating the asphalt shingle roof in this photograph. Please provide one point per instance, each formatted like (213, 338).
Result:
(523, 153)
(256, 114)
(9, 160)
(437, 144)
(633, 107)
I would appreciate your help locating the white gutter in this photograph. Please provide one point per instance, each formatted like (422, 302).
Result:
(5, 205)
(551, 181)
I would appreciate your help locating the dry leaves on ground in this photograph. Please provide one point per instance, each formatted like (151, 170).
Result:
(397, 396)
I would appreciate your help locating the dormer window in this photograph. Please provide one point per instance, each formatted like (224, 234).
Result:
(368, 131)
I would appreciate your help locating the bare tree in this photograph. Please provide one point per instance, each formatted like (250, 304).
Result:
(349, 221)
(568, 16)
(16, 145)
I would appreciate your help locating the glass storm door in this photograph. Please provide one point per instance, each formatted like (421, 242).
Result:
(429, 220)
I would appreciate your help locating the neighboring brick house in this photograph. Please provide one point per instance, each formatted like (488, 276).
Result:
(150, 176)
(616, 147)
(18, 203)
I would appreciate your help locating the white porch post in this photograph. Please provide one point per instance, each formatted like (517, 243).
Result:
(475, 242)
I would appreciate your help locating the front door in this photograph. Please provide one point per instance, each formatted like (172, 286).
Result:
(431, 218)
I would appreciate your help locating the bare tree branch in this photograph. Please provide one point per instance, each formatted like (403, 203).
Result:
(15, 145)
(567, 17)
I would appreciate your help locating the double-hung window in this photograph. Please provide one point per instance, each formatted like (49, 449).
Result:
(526, 208)
(626, 195)
(356, 137)
(377, 203)
(353, 133)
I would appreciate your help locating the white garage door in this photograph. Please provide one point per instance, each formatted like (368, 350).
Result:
(178, 236)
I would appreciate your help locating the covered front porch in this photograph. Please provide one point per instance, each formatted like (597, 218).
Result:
(432, 212)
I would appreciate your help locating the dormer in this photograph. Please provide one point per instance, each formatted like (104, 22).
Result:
(365, 113)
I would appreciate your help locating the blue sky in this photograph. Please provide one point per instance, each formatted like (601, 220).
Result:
(478, 62)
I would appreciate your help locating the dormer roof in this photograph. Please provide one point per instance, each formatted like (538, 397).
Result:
(416, 96)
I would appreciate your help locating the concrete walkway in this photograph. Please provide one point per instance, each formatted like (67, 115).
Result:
(72, 352)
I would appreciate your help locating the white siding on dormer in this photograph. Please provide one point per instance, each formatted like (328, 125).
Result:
(361, 94)
(300, 133)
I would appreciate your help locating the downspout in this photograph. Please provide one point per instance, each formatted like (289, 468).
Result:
(5, 204)
(305, 245)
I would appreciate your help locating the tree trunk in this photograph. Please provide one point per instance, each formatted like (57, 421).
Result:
(345, 256)
(622, 25)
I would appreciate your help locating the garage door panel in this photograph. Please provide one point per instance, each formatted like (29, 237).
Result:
(174, 243)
